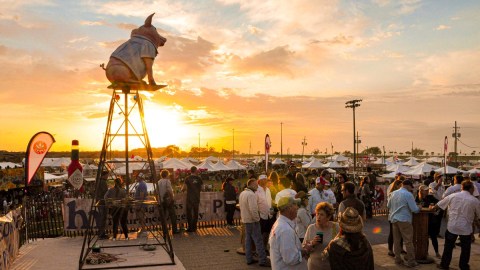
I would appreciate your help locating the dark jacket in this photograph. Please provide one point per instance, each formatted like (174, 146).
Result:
(229, 191)
(342, 259)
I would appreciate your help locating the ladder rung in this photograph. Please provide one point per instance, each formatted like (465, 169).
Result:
(124, 134)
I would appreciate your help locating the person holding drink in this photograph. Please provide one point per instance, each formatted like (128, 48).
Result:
(318, 235)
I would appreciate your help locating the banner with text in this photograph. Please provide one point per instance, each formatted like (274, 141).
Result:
(212, 208)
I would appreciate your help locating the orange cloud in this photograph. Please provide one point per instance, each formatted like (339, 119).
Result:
(278, 61)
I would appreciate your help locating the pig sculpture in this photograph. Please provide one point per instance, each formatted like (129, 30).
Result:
(132, 60)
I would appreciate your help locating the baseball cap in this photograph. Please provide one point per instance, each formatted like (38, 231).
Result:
(407, 183)
(321, 181)
(285, 202)
(262, 176)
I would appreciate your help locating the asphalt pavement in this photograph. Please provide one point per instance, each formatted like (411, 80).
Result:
(209, 249)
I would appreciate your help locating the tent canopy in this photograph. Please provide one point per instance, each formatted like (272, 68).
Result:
(278, 161)
(450, 170)
(315, 163)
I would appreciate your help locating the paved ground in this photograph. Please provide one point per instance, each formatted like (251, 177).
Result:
(211, 248)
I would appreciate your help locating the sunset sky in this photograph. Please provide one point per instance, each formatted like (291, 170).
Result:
(243, 67)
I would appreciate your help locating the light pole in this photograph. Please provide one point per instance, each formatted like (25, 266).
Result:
(281, 140)
(303, 146)
(233, 144)
(353, 104)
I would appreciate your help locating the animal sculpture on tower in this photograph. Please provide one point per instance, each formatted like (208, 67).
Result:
(133, 60)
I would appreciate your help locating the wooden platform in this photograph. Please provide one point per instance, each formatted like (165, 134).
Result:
(126, 87)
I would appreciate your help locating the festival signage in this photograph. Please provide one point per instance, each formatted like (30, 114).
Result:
(37, 148)
(268, 144)
(212, 207)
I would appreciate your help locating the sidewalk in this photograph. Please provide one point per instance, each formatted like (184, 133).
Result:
(207, 249)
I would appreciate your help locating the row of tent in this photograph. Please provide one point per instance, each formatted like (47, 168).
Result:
(423, 168)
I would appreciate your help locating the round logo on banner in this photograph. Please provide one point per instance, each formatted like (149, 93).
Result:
(76, 179)
(40, 147)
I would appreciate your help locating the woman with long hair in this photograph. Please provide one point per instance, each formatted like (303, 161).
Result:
(299, 184)
(275, 185)
(304, 217)
(119, 213)
(319, 234)
(396, 184)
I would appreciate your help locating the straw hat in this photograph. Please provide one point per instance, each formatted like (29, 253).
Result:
(350, 221)
(302, 195)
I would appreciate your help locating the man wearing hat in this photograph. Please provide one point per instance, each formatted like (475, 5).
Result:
(401, 205)
(286, 250)
(318, 194)
(344, 253)
(250, 216)
(265, 208)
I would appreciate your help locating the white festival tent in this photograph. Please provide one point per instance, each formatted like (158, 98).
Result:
(333, 164)
(4, 165)
(212, 158)
(394, 161)
(131, 167)
(425, 167)
(234, 165)
(191, 160)
(53, 178)
(338, 158)
(474, 170)
(389, 175)
(219, 166)
(411, 162)
(382, 161)
(206, 165)
(435, 159)
(56, 162)
(416, 171)
(313, 164)
(176, 164)
(278, 161)
(310, 158)
(397, 168)
(450, 170)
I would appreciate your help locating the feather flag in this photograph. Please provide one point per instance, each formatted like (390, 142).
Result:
(37, 148)
(445, 151)
(268, 144)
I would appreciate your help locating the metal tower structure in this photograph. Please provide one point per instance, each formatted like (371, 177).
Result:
(125, 102)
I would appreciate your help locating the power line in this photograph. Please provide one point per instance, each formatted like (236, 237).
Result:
(468, 145)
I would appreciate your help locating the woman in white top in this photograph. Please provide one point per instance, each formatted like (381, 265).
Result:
(304, 218)
(324, 212)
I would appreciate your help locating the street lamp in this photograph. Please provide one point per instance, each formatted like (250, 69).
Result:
(303, 146)
(281, 140)
(353, 104)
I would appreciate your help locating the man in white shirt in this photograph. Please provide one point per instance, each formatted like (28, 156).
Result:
(331, 194)
(457, 187)
(436, 187)
(463, 208)
(265, 208)
(318, 195)
(250, 216)
(286, 251)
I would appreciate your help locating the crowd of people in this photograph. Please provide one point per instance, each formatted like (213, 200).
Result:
(322, 228)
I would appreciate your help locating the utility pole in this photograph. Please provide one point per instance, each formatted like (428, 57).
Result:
(412, 151)
(303, 146)
(353, 104)
(384, 154)
(357, 142)
(456, 135)
(281, 140)
(332, 148)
